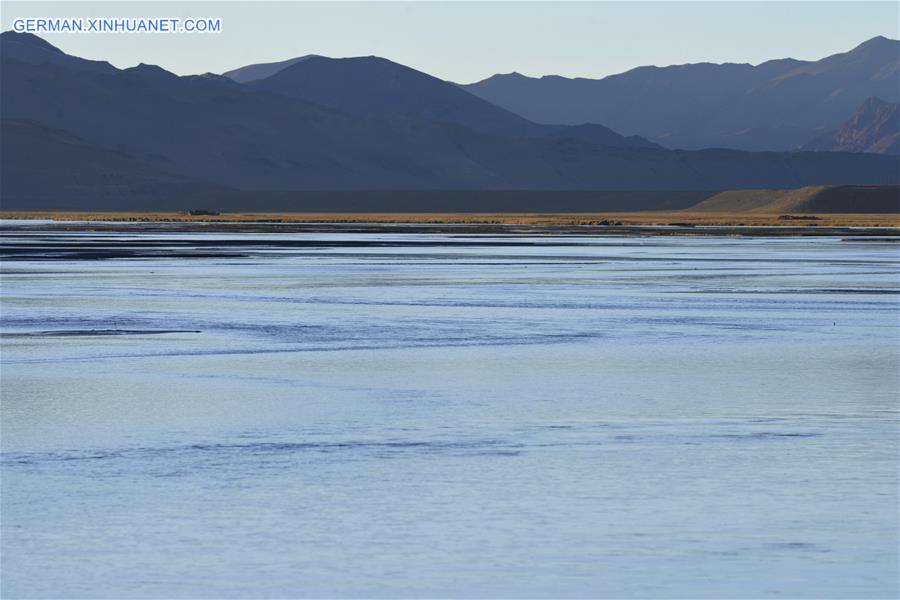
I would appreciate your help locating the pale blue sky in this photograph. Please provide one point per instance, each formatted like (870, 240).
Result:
(468, 41)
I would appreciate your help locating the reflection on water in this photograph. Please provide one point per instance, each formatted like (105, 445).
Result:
(209, 415)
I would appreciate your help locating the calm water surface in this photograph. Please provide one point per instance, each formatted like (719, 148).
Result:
(447, 415)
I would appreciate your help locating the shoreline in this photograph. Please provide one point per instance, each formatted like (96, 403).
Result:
(605, 223)
(633, 218)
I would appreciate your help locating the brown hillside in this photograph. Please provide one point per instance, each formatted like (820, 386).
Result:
(883, 199)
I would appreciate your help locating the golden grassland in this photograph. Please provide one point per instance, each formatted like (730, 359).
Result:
(638, 219)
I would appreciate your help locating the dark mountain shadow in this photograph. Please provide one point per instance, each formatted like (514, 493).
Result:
(154, 128)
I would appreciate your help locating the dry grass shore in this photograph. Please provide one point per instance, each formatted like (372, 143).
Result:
(624, 219)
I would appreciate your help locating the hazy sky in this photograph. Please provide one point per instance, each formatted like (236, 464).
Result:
(468, 41)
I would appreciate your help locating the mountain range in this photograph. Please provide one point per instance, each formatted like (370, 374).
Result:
(374, 86)
(777, 105)
(76, 130)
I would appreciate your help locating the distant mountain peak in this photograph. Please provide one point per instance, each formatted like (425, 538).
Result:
(150, 71)
(258, 71)
(31, 49)
(498, 77)
(373, 85)
(782, 62)
(878, 40)
(357, 61)
(29, 39)
(878, 45)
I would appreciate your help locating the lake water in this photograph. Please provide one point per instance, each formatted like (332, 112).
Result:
(409, 415)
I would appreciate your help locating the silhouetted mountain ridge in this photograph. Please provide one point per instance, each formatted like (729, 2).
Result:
(31, 49)
(206, 131)
(776, 105)
(256, 71)
(374, 86)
